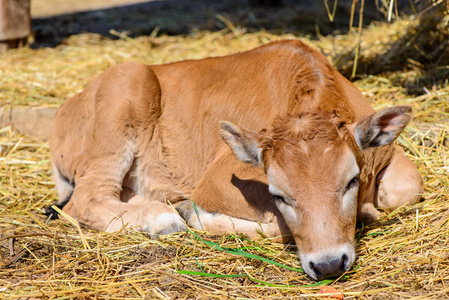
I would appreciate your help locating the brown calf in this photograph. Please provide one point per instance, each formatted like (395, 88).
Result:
(305, 151)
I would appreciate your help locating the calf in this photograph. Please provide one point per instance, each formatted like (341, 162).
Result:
(271, 140)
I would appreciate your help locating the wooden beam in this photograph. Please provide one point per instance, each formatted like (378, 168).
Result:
(15, 23)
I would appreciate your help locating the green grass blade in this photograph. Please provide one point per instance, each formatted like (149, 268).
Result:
(244, 253)
(185, 272)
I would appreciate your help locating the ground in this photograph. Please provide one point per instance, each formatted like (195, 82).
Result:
(47, 8)
(404, 255)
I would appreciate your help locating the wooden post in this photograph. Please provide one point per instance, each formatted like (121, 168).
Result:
(15, 23)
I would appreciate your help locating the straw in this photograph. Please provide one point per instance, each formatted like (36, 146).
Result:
(403, 255)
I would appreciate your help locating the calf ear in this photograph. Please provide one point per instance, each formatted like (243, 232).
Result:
(382, 127)
(243, 142)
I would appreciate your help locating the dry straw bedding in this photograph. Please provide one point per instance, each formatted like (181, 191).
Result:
(404, 255)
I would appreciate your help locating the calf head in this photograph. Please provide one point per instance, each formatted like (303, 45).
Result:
(313, 165)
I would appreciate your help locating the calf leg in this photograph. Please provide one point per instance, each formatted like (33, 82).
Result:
(94, 144)
(399, 183)
(96, 196)
(96, 199)
(218, 223)
(108, 213)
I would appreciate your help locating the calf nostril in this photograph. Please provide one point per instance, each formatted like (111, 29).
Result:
(344, 263)
(316, 271)
(330, 267)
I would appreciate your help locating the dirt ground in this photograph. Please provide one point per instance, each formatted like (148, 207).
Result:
(56, 20)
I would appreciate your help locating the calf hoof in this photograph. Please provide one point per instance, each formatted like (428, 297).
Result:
(155, 218)
(165, 223)
(185, 210)
(191, 214)
(51, 213)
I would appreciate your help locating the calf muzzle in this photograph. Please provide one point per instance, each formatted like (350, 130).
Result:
(329, 263)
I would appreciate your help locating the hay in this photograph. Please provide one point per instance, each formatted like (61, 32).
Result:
(49, 75)
(417, 43)
(404, 255)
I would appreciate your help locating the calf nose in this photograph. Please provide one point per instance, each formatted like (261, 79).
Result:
(333, 266)
(330, 262)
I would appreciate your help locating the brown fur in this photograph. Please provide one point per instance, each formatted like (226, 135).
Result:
(306, 148)
(140, 136)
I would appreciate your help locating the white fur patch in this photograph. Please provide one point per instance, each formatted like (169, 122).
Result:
(166, 221)
(128, 158)
(350, 170)
(349, 200)
(289, 213)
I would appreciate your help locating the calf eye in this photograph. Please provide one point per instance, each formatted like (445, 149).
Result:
(279, 198)
(353, 183)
